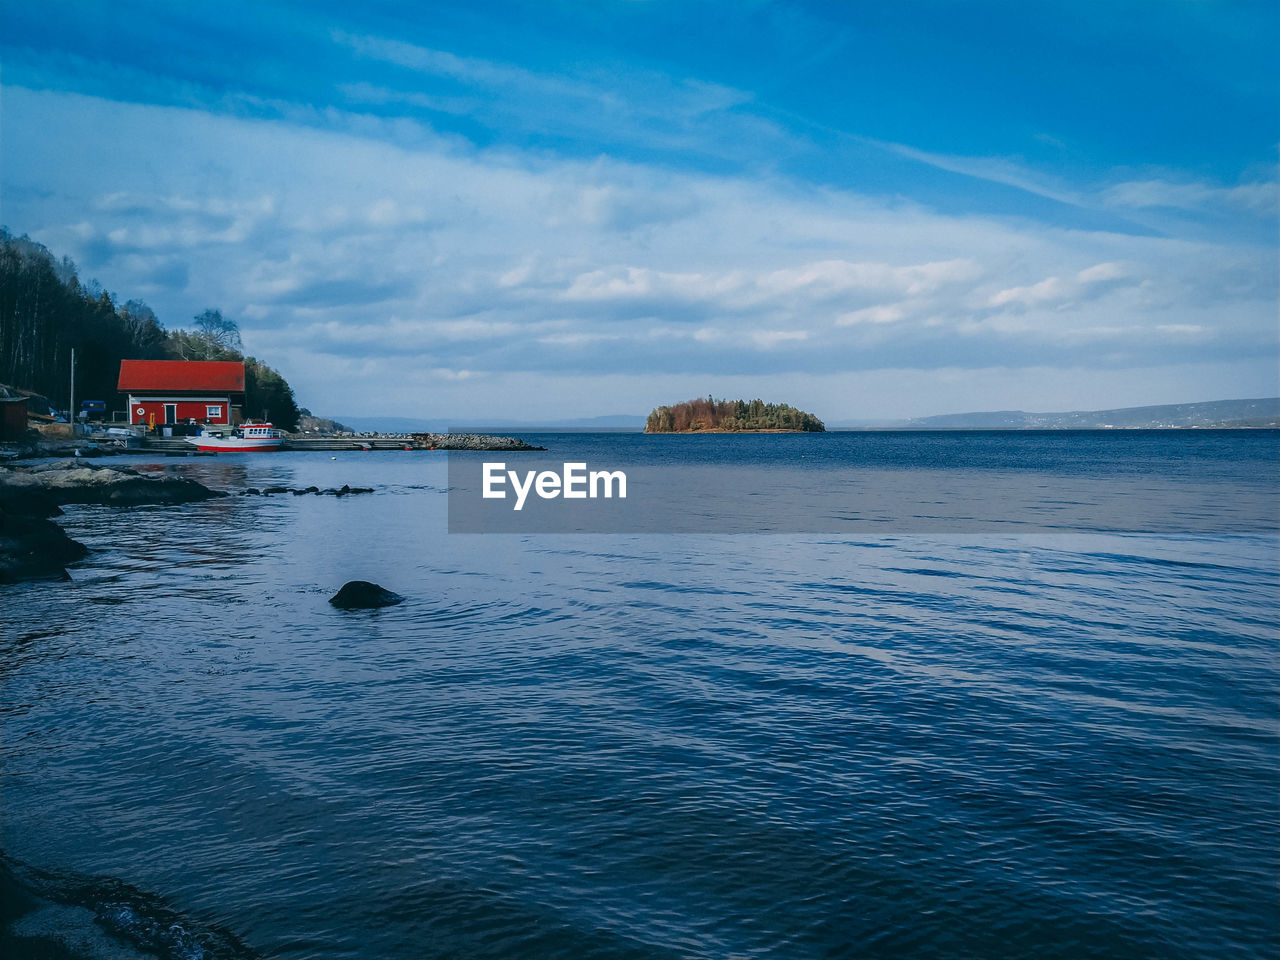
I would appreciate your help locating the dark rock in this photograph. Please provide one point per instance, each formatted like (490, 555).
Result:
(167, 490)
(94, 473)
(252, 492)
(275, 490)
(363, 595)
(34, 548)
(71, 481)
(31, 547)
(345, 491)
(28, 502)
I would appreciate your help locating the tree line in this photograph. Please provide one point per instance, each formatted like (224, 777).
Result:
(46, 312)
(708, 413)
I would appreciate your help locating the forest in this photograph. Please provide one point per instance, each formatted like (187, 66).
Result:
(46, 312)
(730, 416)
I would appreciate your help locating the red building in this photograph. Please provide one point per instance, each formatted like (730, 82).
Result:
(175, 391)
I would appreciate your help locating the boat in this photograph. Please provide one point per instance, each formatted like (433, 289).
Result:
(246, 438)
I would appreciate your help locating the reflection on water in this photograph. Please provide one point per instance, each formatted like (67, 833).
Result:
(631, 746)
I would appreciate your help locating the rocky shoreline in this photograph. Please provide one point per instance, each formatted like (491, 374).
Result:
(33, 547)
(470, 441)
(97, 445)
(57, 916)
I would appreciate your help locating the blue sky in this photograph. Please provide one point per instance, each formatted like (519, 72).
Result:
(566, 209)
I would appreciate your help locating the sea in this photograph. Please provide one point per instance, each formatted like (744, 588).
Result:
(904, 741)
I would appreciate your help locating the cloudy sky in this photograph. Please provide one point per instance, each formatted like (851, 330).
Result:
(555, 209)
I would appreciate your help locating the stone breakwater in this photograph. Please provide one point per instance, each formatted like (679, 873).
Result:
(34, 547)
(470, 441)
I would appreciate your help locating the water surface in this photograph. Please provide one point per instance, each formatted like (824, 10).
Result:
(651, 746)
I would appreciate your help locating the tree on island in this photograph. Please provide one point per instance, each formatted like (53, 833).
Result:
(730, 416)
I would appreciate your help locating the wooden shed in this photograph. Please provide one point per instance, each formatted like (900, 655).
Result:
(13, 419)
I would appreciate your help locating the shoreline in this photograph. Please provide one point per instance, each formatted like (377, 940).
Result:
(42, 477)
(33, 547)
(103, 445)
(59, 917)
(687, 433)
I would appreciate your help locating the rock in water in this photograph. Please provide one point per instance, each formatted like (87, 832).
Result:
(363, 595)
(33, 548)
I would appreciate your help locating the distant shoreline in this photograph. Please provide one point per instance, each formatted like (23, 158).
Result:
(900, 429)
(1142, 429)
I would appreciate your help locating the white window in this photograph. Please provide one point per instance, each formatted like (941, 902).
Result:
(213, 410)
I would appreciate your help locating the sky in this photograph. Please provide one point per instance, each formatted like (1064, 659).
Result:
(539, 210)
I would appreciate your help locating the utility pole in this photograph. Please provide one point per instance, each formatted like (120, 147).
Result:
(71, 414)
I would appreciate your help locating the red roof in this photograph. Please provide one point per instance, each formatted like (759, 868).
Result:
(181, 376)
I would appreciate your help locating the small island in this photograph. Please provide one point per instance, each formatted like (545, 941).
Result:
(708, 415)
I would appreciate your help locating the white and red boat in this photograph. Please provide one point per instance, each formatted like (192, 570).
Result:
(246, 438)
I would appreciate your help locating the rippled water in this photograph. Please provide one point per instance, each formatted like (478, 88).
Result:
(645, 746)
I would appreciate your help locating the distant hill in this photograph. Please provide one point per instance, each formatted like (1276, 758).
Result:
(621, 421)
(309, 423)
(1263, 412)
(410, 425)
(1215, 413)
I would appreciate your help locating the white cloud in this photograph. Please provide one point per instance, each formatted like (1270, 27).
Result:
(620, 103)
(577, 339)
(1261, 198)
(362, 253)
(1101, 273)
(812, 283)
(1047, 290)
(1183, 329)
(833, 277)
(1056, 291)
(1257, 198)
(768, 339)
(877, 314)
(1001, 170)
(619, 90)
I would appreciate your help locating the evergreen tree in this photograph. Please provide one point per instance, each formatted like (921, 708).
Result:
(46, 312)
(730, 415)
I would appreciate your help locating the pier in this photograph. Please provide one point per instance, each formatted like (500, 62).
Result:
(172, 446)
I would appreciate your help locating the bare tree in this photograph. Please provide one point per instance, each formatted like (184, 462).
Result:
(220, 334)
